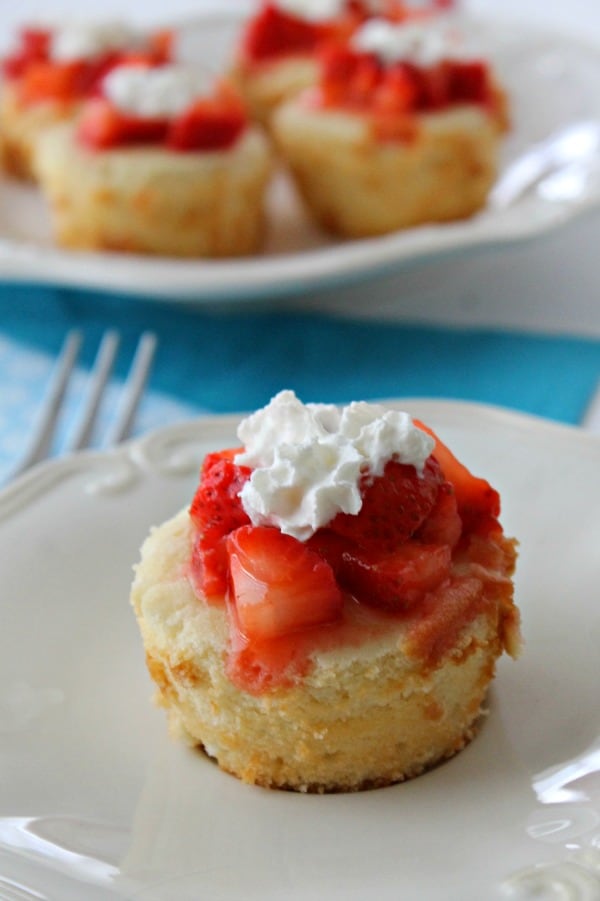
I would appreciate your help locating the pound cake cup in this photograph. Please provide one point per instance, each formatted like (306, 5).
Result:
(345, 660)
(159, 164)
(51, 71)
(397, 131)
(154, 201)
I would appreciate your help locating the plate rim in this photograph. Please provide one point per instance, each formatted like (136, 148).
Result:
(462, 414)
(162, 450)
(197, 281)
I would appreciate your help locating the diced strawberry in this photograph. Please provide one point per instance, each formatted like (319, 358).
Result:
(398, 92)
(34, 46)
(209, 124)
(278, 584)
(274, 32)
(62, 82)
(469, 81)
(394, 505)
(443, 525)
(396, 580)
(216, 510)
(478, 503)
(365, 77)
(101, 126)
(438, 85)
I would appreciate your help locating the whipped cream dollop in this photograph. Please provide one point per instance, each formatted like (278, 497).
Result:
(422, 43)
(75, 39)
(158, 92)
(308, 459)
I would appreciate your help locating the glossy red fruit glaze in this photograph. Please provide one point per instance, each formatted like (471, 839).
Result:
(41, 78)
(278, 584)
(436, 623)
(394, 505)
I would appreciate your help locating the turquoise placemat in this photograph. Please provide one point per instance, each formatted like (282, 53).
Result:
(215, 360)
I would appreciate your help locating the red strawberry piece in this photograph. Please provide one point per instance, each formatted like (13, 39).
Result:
(397, 580)
(279, 585)
(394, 505)
(102, 126)
(217, 510)
(209, 124)
(274, 32)
(478, 503)
(443, 525)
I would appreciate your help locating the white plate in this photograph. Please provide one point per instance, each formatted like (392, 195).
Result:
(97, 802)
(554, 85)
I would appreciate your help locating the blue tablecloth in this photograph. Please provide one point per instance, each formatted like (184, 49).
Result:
(217, 359)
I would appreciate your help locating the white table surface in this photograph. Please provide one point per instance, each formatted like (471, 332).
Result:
(551, 284)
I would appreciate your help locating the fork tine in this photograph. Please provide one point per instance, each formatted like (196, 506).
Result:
(103, 365)
(41, 438)
(133, 389)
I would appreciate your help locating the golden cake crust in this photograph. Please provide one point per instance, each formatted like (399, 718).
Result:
(361, 716)
(150, 200)
(357, 185)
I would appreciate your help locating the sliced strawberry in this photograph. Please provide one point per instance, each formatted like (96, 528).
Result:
(469, 82)
(62, 82)
(394, 505)
(209, 124)
(278, 584)
(274, 32)
(33, 47)
(478, 503)
(396, 580)
(216, 510)
(443, 525)
(398, 92)
(101, 127)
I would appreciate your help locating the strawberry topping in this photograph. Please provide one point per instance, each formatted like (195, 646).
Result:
(41, 79)
(216, 511)
(389, 94)
(279, 584)
(211, 123)
(420, 548)
(393, 506)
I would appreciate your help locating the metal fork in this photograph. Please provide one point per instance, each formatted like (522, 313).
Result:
(45, 429)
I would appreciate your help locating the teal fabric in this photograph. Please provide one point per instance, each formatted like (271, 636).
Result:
(217, 359)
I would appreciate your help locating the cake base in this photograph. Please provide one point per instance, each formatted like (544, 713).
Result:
(363, 715)
(357, 186)
(155, 201)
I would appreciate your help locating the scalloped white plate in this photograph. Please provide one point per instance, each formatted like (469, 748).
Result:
(97, 802)
(554, 85)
